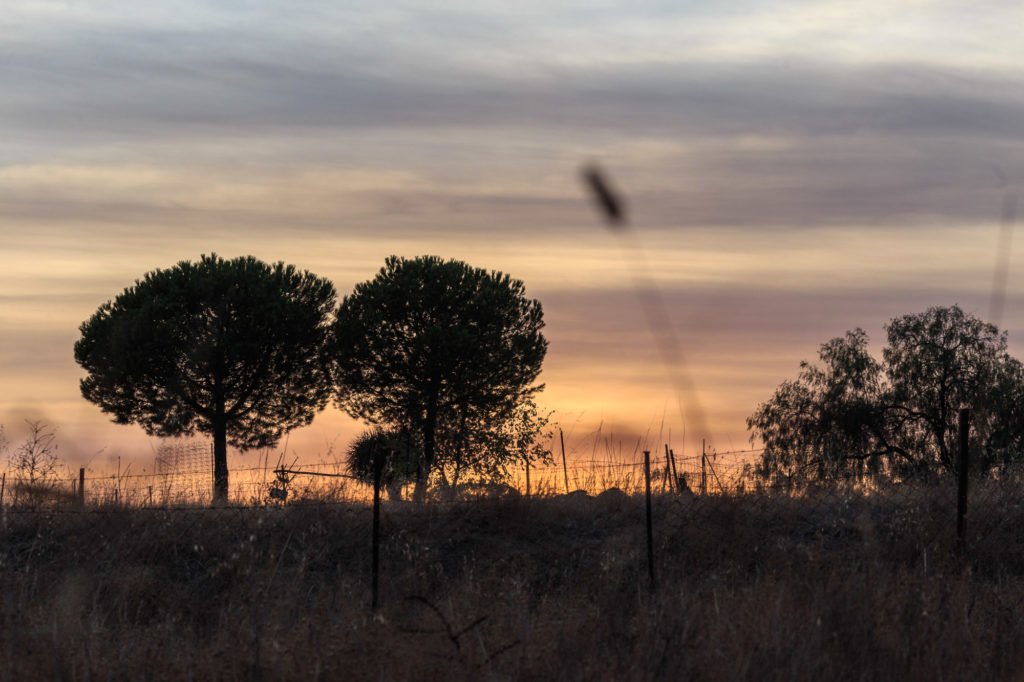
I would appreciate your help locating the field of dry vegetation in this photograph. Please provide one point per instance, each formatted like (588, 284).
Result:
(749, 587)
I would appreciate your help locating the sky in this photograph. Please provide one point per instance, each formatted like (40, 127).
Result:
(791, 171)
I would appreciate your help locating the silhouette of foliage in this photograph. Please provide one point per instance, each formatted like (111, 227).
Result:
(941, 360)
(232, 348)
(488, 449)
(401, 458)
(440, 349)
(826, 422)
(854, 417)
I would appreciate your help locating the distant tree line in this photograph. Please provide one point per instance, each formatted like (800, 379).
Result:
(854, 417)
(439, 357)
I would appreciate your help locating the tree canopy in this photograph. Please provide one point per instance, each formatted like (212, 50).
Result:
(852, 416)
(444, 351)
(231, 348)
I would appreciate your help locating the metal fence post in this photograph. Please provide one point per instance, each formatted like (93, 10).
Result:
(963, 466)
(650, 529)
(378, 470)
(703, 468)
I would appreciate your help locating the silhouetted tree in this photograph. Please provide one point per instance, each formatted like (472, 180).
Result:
(440, 349)
(35, 463)
(826, 423)
(488, 446)
(400, 458)
(853, 416)
(943, 359)
(231, 348)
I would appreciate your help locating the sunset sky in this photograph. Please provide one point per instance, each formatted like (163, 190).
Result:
(792, 170)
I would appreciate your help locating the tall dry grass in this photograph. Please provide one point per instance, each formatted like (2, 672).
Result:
(840, 586)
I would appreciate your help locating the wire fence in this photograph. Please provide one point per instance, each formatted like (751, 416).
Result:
(647, 519)
(714, 474)
(337, 545)
(683, 491)
(688, 481)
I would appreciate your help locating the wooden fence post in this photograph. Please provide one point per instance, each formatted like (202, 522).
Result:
(703, 468)
(675, 474)
(81, 486)
(527, 478)
(963, 465)
(667, 478)
(650, 528)
(565, 467)
(378, 471)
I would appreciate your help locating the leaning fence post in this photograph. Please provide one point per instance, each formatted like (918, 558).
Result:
(565, 468)
(668, 472)
(378, 470)
(81, 487)
(650, 529)
(675, 474)
(963, 464)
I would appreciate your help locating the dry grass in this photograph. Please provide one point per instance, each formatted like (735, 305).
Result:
(751, 587)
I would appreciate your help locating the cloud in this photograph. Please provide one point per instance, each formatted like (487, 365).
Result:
(92, 74)
(793, 169)
(207, 125)
(134, 89)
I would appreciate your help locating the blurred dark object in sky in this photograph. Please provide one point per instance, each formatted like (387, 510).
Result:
(652, 302)
(609, 200)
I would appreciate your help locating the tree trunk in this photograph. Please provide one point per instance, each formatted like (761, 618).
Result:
(426, 463)
(427, 458)
(220, 456)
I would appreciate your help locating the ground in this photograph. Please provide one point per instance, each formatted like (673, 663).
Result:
(828, 586)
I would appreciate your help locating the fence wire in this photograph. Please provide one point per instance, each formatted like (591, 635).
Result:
(689, 491)
(453, 572)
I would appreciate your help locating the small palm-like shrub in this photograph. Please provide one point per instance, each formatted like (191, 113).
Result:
(401, 457)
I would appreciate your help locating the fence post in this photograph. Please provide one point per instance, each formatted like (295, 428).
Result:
(378, 470)
(527, 478)
(675, 474)
(963, 465)
(668, 472)
(565, 468)
(703, 468)
(650, 529)
(81, 486)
